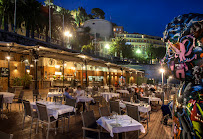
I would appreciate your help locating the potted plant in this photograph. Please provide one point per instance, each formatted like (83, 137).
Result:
(17, 83)
(26, 79)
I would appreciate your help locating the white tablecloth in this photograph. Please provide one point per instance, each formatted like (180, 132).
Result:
(8, 97)
(107, 95)
(123, 91)
(52, 94)
(153, 99)
(126, 124)
(144, 109)
(54, 110)
(84, 99)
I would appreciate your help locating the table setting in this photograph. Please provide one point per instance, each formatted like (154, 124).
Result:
(119, 124)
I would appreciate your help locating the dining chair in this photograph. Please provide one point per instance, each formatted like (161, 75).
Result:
(1, 105)
(115, 107)
(58, 99)
(70, 102)
(133, 112)
(90, 127)
(5, 135)
(104, 111)
(19, 99)
(36, 95)
(43, 117)
(11, 90)
(29, 113)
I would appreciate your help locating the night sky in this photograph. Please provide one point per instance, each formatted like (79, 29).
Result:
(140, 16)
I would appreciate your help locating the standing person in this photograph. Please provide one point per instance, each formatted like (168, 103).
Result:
(79, 92)
(66, 93)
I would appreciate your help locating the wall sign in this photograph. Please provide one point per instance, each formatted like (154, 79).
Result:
(4, 72)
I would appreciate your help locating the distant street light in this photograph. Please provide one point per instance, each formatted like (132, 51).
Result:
(162, 77)
(138, 52)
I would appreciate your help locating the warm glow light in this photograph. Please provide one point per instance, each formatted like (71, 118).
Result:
(31, 66)
(28, 71)
(58, 73)
(170, 77)
(73, 68)
(138, 51)
(65, 65)
(162, 70)
(57, 66)
(8, 57)
(68, 34)
(82, 56)
(107, 46)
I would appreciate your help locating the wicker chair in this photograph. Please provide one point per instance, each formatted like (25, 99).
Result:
(19, 99)
(133, 112)
(115, 107)
(36, 95)
(28, 112)
(104, 111)
(44, 117)
(70, 102)
(1, 105)
(90, 128)
(146, 100)
(5, 135)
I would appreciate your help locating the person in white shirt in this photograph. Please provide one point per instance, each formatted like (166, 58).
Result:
(79, 92)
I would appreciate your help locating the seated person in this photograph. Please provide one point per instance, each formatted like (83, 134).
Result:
(66, 93)
(79, 92)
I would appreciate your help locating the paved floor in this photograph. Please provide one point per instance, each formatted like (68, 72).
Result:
(14, 125)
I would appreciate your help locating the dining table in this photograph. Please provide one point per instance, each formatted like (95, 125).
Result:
(54, 109)
(152, 98)
(122, 91)
(119, 124)
(7, 96)
(108, 95)
(84, 100)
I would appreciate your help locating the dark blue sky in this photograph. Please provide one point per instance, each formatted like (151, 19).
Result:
(140, 16)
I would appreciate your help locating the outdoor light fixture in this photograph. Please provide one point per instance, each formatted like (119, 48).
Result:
(138, 51)
(107, 46)
(68, 34)
(28, 71)
(162, 70)
(57, 66)
(8, 57)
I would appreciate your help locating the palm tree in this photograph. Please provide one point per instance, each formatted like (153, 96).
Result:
(32, 10)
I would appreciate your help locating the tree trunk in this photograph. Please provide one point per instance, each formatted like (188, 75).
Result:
(46, 33)
(5, 21)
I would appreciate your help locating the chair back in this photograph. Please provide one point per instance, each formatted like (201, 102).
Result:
(58, 99)
(27, 108)
(115, 107)
(135, 98)
(11, 90)
(1, 101)
(42, 112)
(126, 99)
(20, 97)
(71, 102)
(104, 111)
(89, 119)
(5, 135)
(146, 100)
(35, 92)
(133, 112)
